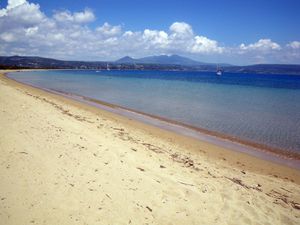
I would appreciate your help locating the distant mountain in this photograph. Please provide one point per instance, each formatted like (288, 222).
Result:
(172, 59)
(26, 60)
(126, 60)
(40, 62)
(163, 60)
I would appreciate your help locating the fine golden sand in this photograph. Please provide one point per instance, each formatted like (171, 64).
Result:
(62, 162)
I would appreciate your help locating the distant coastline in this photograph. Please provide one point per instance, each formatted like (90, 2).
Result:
(164, 63)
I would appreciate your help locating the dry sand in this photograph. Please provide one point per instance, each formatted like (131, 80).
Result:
(63, 162)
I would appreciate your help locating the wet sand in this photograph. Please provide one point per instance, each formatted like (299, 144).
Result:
(280, 156)
(64, 162)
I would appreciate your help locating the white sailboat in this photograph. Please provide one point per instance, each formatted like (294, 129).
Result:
(219, 71)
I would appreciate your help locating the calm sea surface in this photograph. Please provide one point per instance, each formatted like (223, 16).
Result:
(260, 108)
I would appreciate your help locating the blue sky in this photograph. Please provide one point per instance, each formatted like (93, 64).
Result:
(233, 31)
(229, 21)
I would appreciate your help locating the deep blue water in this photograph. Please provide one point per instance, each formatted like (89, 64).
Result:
(260, 108)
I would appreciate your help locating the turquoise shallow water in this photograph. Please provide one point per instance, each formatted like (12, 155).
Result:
(263, 109)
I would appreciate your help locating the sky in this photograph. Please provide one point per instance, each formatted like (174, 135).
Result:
(238, 32)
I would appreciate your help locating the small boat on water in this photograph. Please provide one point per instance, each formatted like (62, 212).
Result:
(219, 71)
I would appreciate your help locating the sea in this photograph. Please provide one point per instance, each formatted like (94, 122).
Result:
(262, 109)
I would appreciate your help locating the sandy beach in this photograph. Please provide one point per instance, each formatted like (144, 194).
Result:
(64, 162)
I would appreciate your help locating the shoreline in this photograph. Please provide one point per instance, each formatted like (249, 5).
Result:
(67, 162)
(260, 151)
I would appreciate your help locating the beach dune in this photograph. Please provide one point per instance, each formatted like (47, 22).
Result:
(63, 162)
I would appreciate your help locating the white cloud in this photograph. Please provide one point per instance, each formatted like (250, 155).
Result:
(156, 38)
(20, 14)
(181, 29)
(31, 31)
(294, 45)
(26, 30)
(67, 35)
(15, 3)
(11, 4)
(109, 30)
(7, 37)
(128, 33)
(261, 45)
(84, 17)
(78, 17)
(205, 45)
